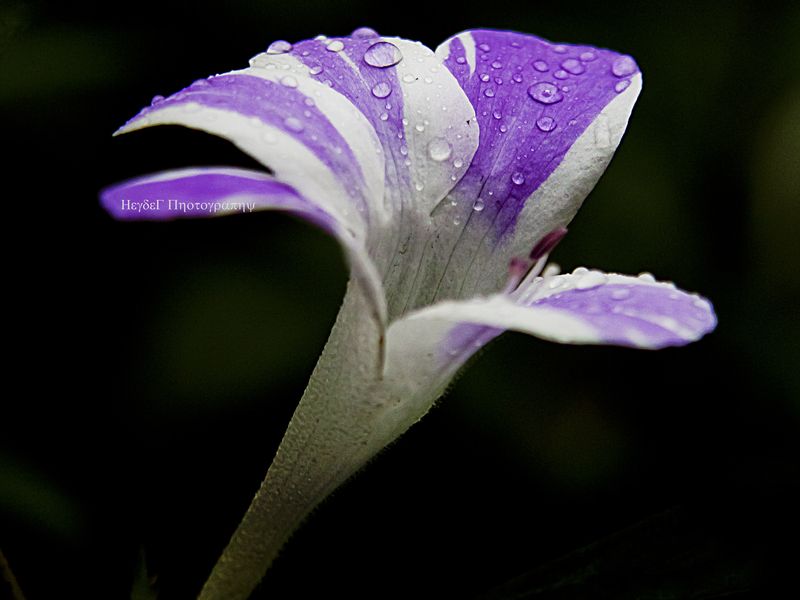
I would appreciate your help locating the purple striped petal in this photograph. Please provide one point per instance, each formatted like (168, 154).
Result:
(209, 192)
(584, 307)
(550, 119)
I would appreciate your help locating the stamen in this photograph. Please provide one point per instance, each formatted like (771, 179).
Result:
(545, 245)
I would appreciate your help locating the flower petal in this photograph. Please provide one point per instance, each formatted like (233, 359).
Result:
(208, 192)
(584, 307)
(550, 119)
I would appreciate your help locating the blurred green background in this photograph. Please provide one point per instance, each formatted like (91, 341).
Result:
(153, 367)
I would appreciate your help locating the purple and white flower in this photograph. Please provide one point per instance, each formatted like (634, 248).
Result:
(447, 177)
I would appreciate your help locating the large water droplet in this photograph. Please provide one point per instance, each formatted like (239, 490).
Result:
(335, 46)
(382, 55)
(478, 205)
(293, 124)
(573, 66)
(364, 33)
(279, 47)
(518, 178)
(591, 279)
(381, 89)
(439, 149)
(623, 65)
(289, 81)
(544, 92)
(540, 66)
(546, 124)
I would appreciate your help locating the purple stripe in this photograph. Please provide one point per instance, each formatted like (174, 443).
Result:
(188, 194)
(464, 340)
(633, 315)
(366, 89)
(282, 107)
(533, 100)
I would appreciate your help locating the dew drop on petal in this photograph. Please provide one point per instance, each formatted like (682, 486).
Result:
(484, 47)
(559, 48)
(381, 89)
(588, 56)
(546, 124)
(461, 60)
(279, 47)
(561, 74)
(621, 86)
(439, 149)
(545, 93)
(573, 66)
(335, 46)
(497, 115)
(497, 65)
(156, 99)
(648, 277)
(293, 124)
(315, 70)
(478, 205)
(485, 77)
(488, 92)
(518, 178)
(517, 77)
(364, 33)
(620, 294)
(409, 78)
(458, 163)
(540, 66)
(382, 55)
(384, 117)
(623, 66)
(289, 81)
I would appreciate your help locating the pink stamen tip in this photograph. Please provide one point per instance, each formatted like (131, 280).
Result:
(517, 267)
(545, 245)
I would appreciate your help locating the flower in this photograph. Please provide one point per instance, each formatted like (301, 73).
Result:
(448, 177)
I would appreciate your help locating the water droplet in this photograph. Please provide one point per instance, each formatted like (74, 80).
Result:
(544, 92)
(308, 101)
(561, 74)
(458, 163)
(382, 55)
(503, 129)
(518, 178)
(589, 280)
(419, 187)
(623, 65)
(478, 205)
(620, 294)
(497, 115)
(497, 65)
(488, 92)
(439, 149)
(461, 60)
(384, 117)
(279, 47)
(315, 70)
(381, 89)
(559, 48)
(364, 33)
(335, 46)
(293, 124)
(573, 66)
(646, 277)
(540, 66)
(621, 86)
(546, 124)
(409, 78)
(484, 47)
(289, 81)
(156, 99)
(456, 221)
(419, 127)
(484, 77)
(588, 56)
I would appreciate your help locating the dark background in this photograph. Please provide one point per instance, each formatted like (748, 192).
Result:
(151, 368)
